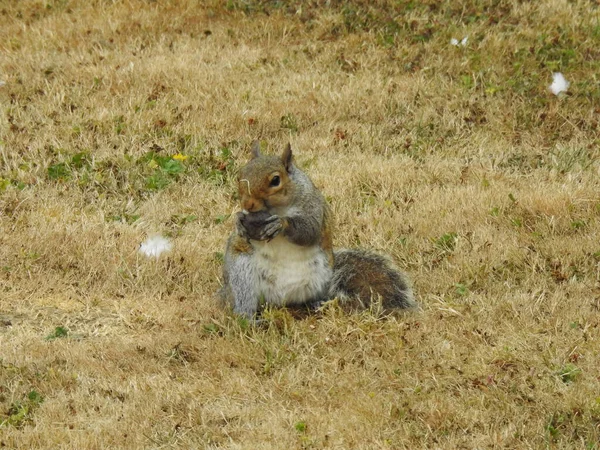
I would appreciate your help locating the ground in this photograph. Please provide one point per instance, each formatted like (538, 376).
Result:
(124, 119)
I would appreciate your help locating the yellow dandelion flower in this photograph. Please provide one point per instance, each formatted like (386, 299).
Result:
(179, 157)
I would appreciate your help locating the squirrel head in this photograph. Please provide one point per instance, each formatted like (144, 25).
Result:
(264, 182)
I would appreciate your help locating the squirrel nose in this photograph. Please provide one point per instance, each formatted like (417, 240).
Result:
(252, 204)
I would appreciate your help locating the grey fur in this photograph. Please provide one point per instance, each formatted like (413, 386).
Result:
(239, 290)
(305, 218)
(255, 149)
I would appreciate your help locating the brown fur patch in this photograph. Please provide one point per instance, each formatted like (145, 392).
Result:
(240, 245)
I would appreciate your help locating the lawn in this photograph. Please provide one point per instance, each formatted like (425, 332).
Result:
(121, 120)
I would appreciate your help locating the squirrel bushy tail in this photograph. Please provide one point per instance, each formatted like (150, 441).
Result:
(361, 276)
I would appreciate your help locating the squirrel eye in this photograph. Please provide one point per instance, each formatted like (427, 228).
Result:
(275, 181)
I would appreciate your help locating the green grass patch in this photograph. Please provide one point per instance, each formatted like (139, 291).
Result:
(59, 332)
(21, 412)
(447, 242)
(569, 373)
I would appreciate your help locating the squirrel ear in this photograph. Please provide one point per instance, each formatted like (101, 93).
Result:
(286, 158)
(255, 150)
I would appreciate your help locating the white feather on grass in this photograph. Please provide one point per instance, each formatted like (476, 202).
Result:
(461, 43)
(155, 246)
(559, 83)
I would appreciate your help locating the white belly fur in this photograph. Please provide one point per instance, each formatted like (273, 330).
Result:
(290, 274)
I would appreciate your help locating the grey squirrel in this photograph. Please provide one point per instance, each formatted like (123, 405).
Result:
(281, 252)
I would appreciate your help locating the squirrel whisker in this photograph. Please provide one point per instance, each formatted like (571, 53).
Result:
(248, 183)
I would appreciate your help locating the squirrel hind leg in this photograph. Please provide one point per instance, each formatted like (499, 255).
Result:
(363, 275)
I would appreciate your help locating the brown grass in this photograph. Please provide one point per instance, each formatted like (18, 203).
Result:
(456, 161)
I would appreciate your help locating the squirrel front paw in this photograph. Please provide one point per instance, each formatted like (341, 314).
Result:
(240, 228)
(259, 226)
(273, 226)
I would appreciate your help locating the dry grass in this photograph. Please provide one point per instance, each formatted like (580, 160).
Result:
(457, 161)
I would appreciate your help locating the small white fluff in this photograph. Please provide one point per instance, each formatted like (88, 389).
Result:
(155, 246)
(559, 84)
(2, 83)
(460, 43)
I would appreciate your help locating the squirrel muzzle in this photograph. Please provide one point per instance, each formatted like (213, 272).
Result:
(252, 204)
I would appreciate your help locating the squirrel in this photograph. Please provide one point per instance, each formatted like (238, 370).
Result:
(281, 251)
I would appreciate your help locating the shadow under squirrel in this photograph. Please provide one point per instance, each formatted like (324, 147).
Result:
(281, 252)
